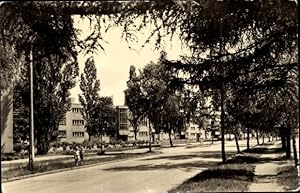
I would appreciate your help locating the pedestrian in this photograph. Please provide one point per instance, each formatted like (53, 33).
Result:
(76, 155)
(81, 152)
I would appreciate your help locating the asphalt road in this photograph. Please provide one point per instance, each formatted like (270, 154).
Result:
(155, 173)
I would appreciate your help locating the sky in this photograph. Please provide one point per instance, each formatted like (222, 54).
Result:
(113, 63)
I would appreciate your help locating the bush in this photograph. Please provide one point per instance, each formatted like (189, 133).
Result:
(112, 142)
(19, 147)
(100, 152)
(65, 145)
(99, 144)
(73, 145)
(55, 145)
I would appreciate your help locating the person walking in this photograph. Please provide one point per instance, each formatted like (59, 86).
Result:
(77, 155)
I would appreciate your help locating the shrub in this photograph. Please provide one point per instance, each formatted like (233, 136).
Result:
(65, 145)
(100, 152)
(18, 148)
(73, 145)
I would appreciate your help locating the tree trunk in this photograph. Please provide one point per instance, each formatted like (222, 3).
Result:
(269, 138)
(237, 142)
(150, 131)
(171, 143)
(257, 137)
(283, 138)
(135, 134)
(263, 138)
(101, 142)
(295, 151)
(42, 147)
(248, 138)
(288, 143)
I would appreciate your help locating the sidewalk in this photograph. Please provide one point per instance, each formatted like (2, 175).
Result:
(266, 173)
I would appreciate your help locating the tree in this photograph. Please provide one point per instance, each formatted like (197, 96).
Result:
(89, 99)
(134, 100)
(104, 118)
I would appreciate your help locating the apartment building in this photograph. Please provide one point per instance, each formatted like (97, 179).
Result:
(71, 128)
(122, 122)
(143, 131)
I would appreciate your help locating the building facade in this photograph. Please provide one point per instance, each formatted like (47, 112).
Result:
(143, 131)
(71, 128)
(122, 122)
(6, 120)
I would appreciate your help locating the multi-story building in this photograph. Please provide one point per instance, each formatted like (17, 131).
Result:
(6, 101)
(122, 122)
(71, 128)
(143, 131)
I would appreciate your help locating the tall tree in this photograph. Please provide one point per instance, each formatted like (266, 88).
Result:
(104, 118)
(89, 99)
(134, 100)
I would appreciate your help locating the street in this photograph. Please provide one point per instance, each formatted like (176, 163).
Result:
(155, 173)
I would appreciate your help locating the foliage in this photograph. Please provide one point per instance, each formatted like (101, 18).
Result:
(134, 100)
(89, 98)
(105, 116)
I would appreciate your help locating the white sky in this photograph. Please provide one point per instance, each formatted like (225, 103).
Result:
(113, 64)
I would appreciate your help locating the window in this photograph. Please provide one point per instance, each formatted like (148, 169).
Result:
(192, 128)
(123, 127)
(62, 122)
(143, 134)
(76, 110)
(144, 122)
(78, 134)
(62, 133)
(78, 122)
(193, 134)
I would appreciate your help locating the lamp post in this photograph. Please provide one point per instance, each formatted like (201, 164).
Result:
(31, 141)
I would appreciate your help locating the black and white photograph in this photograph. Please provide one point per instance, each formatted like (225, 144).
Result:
(149, 96)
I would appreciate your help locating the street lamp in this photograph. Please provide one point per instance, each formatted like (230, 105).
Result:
(31, 141)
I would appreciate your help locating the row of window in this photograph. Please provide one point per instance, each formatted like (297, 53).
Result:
(143, 134)
(76, 110)
(77, 122)
(74, 122)
(63, 133)
(144, 122)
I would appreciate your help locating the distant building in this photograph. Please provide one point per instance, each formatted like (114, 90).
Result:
(143, 131)
(6, 120)
(122, 122)
(193, 132)
(71, 128)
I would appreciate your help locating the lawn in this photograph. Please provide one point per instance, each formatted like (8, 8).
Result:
(224, 178)
(287, 177)
(51, 165)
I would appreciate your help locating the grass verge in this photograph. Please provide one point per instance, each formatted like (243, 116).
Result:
(51, 165)
(287, 177)
(223, 178)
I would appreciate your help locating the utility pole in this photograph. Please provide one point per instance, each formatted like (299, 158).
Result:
(222, 93)
(31, 142)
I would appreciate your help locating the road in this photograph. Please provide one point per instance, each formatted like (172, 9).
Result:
(155, 173)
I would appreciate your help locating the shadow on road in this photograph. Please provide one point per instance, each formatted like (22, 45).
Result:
(166, 166)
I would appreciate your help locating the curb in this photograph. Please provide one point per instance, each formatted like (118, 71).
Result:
(71, 168)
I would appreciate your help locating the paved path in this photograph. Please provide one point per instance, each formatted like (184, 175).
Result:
(266, 172)
(155, 173)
